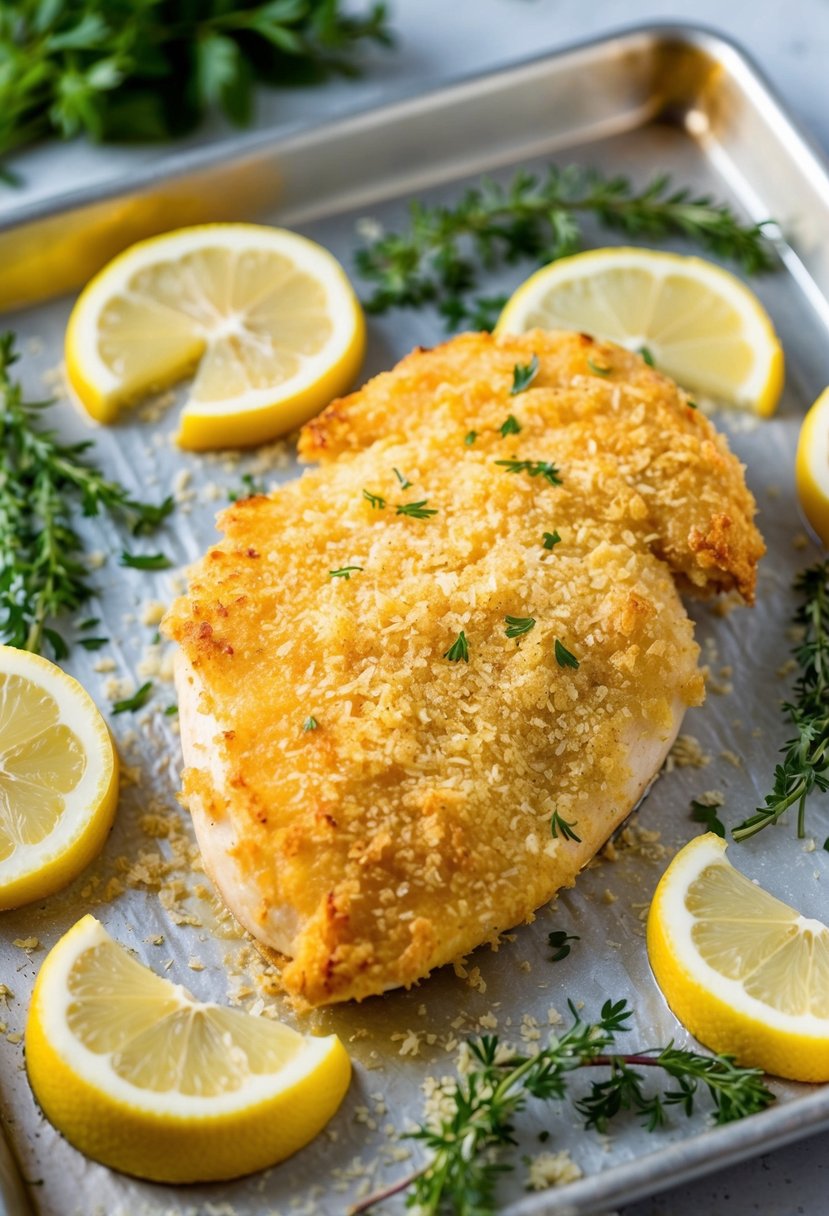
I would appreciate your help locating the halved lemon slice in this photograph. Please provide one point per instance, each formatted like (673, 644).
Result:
(701, 325)
(142, 1077)
(267, 319)
(746, 973)
(812, 467)
(58, 778)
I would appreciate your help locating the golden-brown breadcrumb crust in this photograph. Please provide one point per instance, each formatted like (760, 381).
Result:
(414, 822)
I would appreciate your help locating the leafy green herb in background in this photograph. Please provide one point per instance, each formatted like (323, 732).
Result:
(151, 69)
(466, 1144)
(43, 485)
(805, 767)
(439, 258)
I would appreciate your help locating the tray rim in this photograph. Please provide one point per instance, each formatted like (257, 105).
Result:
(180, 163)
(716, 1147)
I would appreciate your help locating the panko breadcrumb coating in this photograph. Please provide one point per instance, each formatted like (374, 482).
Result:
(369, 808)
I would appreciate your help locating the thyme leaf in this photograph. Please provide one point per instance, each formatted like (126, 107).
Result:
(805, 766)
(44, 485)
(458, 652)
(438, 259)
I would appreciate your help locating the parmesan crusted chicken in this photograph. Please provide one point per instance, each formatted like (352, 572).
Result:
(372, 797)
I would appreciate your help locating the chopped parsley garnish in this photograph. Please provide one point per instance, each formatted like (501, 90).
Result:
(404, 481)
(701, 812)
(692, 405)
(523, 375)
(518, 625)
(557, 824)
(416, 510)
(551, 539)
(470, 438)
(564, 658)
(375, 500)
(534, 468)
(559, 941)
(510, 426)
(171, 711)
(250, 489)
(458, 652)
(137, 701)
(343, 572)
(92, 643)
(598, 368)
(89, 623)
(310, 723)
(647, 356)
(145, 561)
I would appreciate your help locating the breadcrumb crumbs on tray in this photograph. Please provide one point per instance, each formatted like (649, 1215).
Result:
(27, 943)
(687, 752)
(152, 611)
(551, 1169)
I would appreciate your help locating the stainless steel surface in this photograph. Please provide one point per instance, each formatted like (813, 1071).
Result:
(649, 101)
(13, 1200)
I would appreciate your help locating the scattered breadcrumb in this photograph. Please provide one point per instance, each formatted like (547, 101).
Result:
(152, 611)
(551, 1169)
(27, 943)
(687, 752)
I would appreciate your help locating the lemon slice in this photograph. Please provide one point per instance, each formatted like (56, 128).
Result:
(746, 973)
(58, 778)
(142, 1077)
(701, 325)
(267, 319)
(812, 467)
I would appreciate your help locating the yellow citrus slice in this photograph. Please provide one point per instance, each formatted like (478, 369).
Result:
(58, 778)
(142, 1077)
(746, 973)
(267, 319)
(699, 323)
(812, 466)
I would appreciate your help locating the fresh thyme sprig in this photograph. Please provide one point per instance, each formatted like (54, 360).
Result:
(438, 259)
(150, 69)
(805, 766)
(466, 1143)
(533, 468)
(43, 482)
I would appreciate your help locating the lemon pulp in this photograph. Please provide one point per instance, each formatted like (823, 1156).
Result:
(266, 318)
(58, 778)
(699, 323)
(141, 1076)
(746, 973)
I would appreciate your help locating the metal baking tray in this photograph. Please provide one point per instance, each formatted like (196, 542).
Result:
(644, 101)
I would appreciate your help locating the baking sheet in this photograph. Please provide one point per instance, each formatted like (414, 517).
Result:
(146, 887)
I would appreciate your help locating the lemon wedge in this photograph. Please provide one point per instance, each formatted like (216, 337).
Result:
(812, 467)
(58, 778)
(746, 973)
(699, 323)
(266, 319)
(142, 1077)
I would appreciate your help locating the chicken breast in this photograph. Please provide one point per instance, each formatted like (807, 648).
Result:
(375, 797)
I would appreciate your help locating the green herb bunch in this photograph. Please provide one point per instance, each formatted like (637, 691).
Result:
(438, 259)
(467, 1143)
(43, 484)
(150, 69)
(805, 767)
